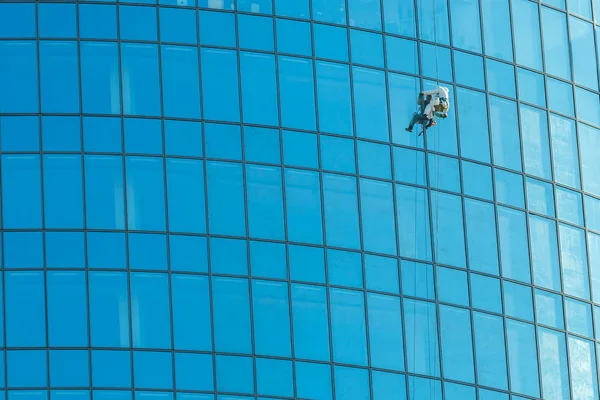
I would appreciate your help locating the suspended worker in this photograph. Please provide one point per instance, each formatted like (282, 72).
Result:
(436, 103)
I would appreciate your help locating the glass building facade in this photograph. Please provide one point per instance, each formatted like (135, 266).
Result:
(218, 200)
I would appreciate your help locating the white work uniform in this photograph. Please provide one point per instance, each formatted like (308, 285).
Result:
(440, 95)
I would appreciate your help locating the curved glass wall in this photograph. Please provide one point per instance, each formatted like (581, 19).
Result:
(220, 199)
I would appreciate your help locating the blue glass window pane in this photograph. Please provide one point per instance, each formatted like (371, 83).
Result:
(490, 350)
(457, 347)
(333, 90)
(54, 20)
(549, 309)
(417, 280)
(341, 211)
(532, 87)
(185, 184)
(585, 71)
(137, 23)
(105, 208)
(141, 89)
(262, 145)
(150, 310)
(18, 78)
(399, 17)
(569, 205)
(496, 29)
(522, 357)
(452, 286)
(180, 82)
(381, 274)
(69, 368)
(235, 374)
(23, 250)
(25, 309)
(223, 141)
(331, 42)
(293, 8)
(297, 93)
(217, 28)
(274, 377)
(589, 145)
(59, 80)
(581, 7)
(271, 318)
(109, 310)
(560, 96)
(268, 260)
(188, 253)
(111, 369)
(313, 381)
(424, 388)
(303, 206)
(553, 363)
(592, 213)
(588, 106)
(145, 193)
(228, 256)
(21, 191)
(351, 382)
(514, 251)
(191, 312)
(367, 48)
(401, 88)
(231, 307)
(564, 150)
(544, 252)
(100, 86)
(518, 301)
(311, 328)
(386, 384)
(582, 363)
(485, 293)
(536, 150)
(300, 149)
(226, 198)
(509, 188)
(26, 368)
(348, 328)
(307, 263)
(259, 93)
(421, 337)
(409, 166)
(102, 134)
(527, 28)
(344, 268)
(337, 154)
(194, 371)
(293, 37)
(143, 135)
(177, 25)
(439, 9)
(20, 133)
(556, 43)
(265, 203)
(377, 216)
(469, 70)
(98, 21)
(401, 54)
(63, 192)
(329, 11)
(61, 133)
(147, 251)
(444, 173)
(412, 208)
(477, 180)
(501, 78)
(454, 391)
(67, 309)
(579, 317)
(370, 104)
(365, 14)
(255, 33)
(449, 233)
(220, 85)
(505, 133)
(472, 111)
(594, 248)
(465, 25)
(385, 332)
(574, 261)
(152, 369)
(443, 71)
(65, 250)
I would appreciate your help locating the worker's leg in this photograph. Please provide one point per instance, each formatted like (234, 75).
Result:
(413, 120)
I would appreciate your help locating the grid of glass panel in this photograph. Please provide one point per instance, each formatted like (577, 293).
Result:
(219, 199)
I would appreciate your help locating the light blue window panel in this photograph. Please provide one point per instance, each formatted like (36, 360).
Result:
(385, 383)
(21, 191)
(399, 17)
(138, 23)
(153, 369)
(564, 150)
(188, 253)
(490, 350)
(61, 133)
(412, 207)
(377, 216)
(193, 371)
(271, 318)
(496, 29)
(20, 133)
(54, 20)
(191, 312)
(274, 377)
(303, 206)
(23, 250)
(374, 159)
(329, 11)
(527, 28)
(288, 8)
(540, 197)
(452, 286)
(582, 363)
(293, 37)
(185, 191)
(506, 143)
(381, 274)
(522, 351)
(180, 86)
(259, 92)
(485, 293)
(307, 264)
(231, 308)
(589, 144)
(477, 180)
(570, 207)
(588, 106)
(466, 30)
(401, 88)
(331, 42)
(560, 96)
(19, 78)
(225, 198)
(385, 332)
(145, 193)
(421, 337)
(228, 256)
(300, 149)
(365, 14)
(344, 268)
(594, 247)
(493, 395)
(25, 309)
(481, 236)
(221, 141)
(401, 54)
(63, 192)
(235, 374)
(454, 391)
(341, 211)
(509, 188)
(579, 317)
(439, 8)
(313, 381)
(221, 100)
(536, 146)
(469, 70)
(574, 261)
(333, 92)
(472, 111)
(111, 369)
(544, 252)
(457, 347)
(143, 135)
(69, 368)
(532, 87)
(366, 47)
(59, 75)
(66, 296)
(370, 104)
(443, 173)
(256, 6)
(553, 364)
(265, 202)
(518, 301)
(311, 326)
(592, 213)
(449, 241)
(429, 55)
(549, 309)
(585, 71)
(351, 382)
(268, 260)
(501, 78)
(217, 28)
(65, 250)
(556, 43)
(109, 309)
(151, 313)
(581, 7)
(409, 166)
(424, 388)
(296, 92)
(255, 32)
(514, 251)
(417, 280)
(348, 329)
(26, 368)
